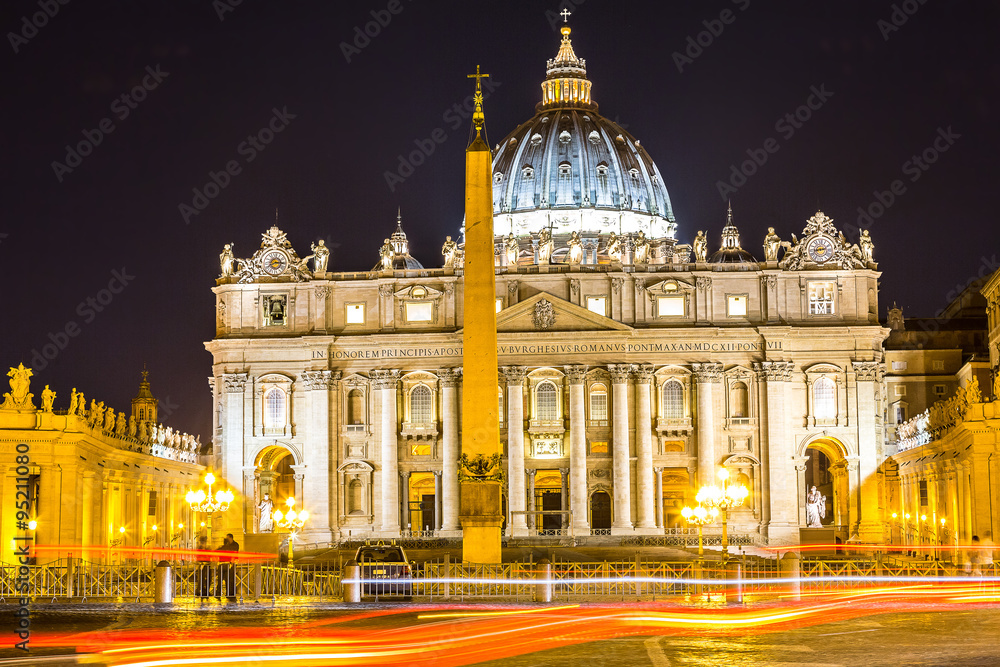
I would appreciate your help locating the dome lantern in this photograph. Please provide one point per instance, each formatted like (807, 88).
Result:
(566, 83)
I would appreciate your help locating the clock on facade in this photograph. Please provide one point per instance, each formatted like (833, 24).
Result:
(274, 262)
(820, 249)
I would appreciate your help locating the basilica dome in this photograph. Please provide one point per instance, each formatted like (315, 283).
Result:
(569, 168)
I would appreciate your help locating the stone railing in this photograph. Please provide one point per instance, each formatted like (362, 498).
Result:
(938, 419)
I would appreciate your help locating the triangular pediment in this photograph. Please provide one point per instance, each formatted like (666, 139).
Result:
(545, 312)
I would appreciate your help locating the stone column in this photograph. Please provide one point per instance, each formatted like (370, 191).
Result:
(437, 501)
(531, 498)
(231, 460)
(708, 377)
(660, 519)
(405, 498)
(868, 377)
(644, 485)
(50, 489)
(781, 498)
(385, 381)
(563, 474)
(514, 376)
(577, 450)
(316, 454)
(622, 509)
(450, 378)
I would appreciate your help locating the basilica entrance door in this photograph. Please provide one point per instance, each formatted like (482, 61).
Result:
(600, 511)
(427, 512)
(551, 501)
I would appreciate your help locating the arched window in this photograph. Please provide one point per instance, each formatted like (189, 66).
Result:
(598, 402)
(739, 401)
(355, 407)
(546, 402)
(274, 408)
(421, 405)
(825, 398)
(673, 400)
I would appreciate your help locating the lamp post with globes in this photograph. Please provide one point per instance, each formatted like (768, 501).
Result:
(699, 516)
(209, 503)
(293, 520)
(723, 498)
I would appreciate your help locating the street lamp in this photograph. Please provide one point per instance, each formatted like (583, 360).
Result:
(723, 498)
(699, 516)
(202, 501)
(292, 520)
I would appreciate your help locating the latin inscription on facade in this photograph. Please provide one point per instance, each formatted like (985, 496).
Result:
(561, 348)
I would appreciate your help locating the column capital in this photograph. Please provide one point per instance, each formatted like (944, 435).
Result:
(405, 474)
(319, 380)
(773, 371)
(384, 379)
(514, 375)
(235, 383)
(450, 377)
(643, 373)
(619, 373)
(563, 471)
(869, 371)
(575, 374)
(708, 372)
(531, 472)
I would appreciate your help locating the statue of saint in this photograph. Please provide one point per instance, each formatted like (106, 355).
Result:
(131, 426)
(81, 405)
(973, 394)
(815, 508)
(512, 249)
(226, 260)
(700, 247)
(449, 250)
(48, 396)
(385, 252)
(96, 413)
(772, 242)
(575, 248)
(545, 246)
(641, 249)
(121, 425)
(18, 397)
(867, 246)
(614, 248)
(266, 524)
(321, 255)
(109, 420)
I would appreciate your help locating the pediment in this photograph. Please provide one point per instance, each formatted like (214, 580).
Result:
(669, 287)
(418, 293)
(545, 312)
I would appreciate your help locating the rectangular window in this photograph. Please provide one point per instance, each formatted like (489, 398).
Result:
(499, 304)
(939, 390)
(938, 365)
(152, 504)
(821, 297)
(923, 493)
(419, 311)
(736, 305)
(899, 365)
(598, 447)
(275, 307)
(598, 304)
(900, 390)
(355, 313)
(598, 406)
(670, 306)
(420, 449)
(900, 414)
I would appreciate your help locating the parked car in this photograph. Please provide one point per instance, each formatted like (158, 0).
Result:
(388, 563)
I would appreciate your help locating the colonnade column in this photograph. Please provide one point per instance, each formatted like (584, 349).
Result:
(405, 505)
(385, 381)
(577, 450)
(780, 467)
(645, 491)
(236, 421)
(531, 499)
(316, 454)
(514, 376)
(450, 378)
(660, 519)
(563, 474)
(708, 377)
(622, 509)
(437, 501)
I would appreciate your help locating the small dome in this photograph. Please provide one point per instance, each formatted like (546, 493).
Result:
(399, 246)
(731, 256)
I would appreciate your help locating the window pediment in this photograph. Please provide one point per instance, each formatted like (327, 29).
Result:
(418, 293)
(669, 287)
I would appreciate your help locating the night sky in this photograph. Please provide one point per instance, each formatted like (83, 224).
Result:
(212, 82)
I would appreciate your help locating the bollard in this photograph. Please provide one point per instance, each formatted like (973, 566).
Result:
(788, 567)
(350, 581)
(543, 591)
(164, 574)
(734, 592)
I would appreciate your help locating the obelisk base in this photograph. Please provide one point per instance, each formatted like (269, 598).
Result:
(481, 519)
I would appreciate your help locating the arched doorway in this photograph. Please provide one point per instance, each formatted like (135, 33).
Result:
(826, 468)
(600, 511)
(275, 478)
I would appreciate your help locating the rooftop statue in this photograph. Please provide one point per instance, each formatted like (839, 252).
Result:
(449, 250)
(575, 254)
(512, 250)
(614, 248)
(385, 252)
(867, 246)
(320, 256)
(772, 242)
(73, 397)
(545, 246)
(641, 248)
(700, 247)
(226, 260)
(48, 396)
(18, 397)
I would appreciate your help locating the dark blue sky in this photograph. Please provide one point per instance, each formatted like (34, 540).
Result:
(63, 235)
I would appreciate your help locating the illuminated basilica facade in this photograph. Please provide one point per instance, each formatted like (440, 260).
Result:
(632, 366)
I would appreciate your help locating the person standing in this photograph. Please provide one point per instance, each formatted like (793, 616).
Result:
(227, 569)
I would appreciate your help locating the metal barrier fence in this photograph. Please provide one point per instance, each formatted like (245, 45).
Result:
(632, 579)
